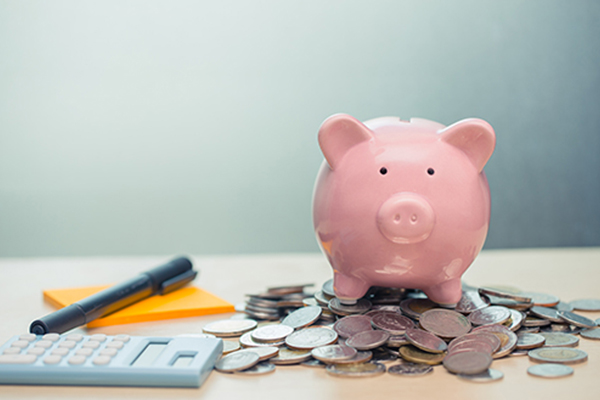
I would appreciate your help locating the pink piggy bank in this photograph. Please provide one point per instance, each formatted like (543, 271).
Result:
(402, 203)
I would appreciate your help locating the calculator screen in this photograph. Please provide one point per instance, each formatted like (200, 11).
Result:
(150, 353)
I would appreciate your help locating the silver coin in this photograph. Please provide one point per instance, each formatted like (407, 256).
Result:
(516, 319)
(263, 315)
(246, 340)
(564, 328)
(593, 333)
(410, 369)
(361, 307)
(489, 315)
(470, 301)
(508, 303)
(559, 339)
(473, 343)
(396, 341)
(527, 341)
(237, 361)
(542, 299)
(310, 301)
(550, 370)
(384, 307)
(288, 356)
(351, 325)
(261, 302)
(356, 370)
(425, 341)
(586, 304)
(564, 306)
(446, 323)
(473, 340)
(230, 327)
(313, 363)
(308, 339)
(391, 322)
(368, 340)
(534, 321)
(507, 338)
(491, 375)
(302, 317)
(261, 368)
(261, 310)
(230, 346)
(332, 353)
(577, 320)
(506, 295)
(321, 298)
(468, 363)
(550, 314)
(413, 308)
(360, 357)
(264, 353)
(271, 333)
(328, 288)
(560, 355)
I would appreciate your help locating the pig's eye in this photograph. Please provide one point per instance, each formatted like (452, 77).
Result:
(383, 171)
(430, 171)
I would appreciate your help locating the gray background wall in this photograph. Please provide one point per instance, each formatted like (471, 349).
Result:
(190, 127)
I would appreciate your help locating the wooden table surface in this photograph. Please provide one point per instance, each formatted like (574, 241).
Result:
(568, 273)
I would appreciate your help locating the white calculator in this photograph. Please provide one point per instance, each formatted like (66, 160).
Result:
(101, 360)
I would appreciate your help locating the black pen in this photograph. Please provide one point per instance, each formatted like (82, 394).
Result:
(160, 280)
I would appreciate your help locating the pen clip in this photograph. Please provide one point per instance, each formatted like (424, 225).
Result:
(177, 282)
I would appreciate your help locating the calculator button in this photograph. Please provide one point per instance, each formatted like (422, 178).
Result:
(92, 344)
(101, 360)
(12, 350)
(122, 338)
(52, 359)
(69, 344)
(20, 343)
(36, 351)
(76, 337)
(44, 344)
(108, 352)
(99, 337)
(115, 345)
(17, 359)
(60, 351)
(76, 360)
(84, 352)
(53, 337)
(30, 337)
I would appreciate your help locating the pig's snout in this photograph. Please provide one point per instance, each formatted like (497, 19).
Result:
(406, 218)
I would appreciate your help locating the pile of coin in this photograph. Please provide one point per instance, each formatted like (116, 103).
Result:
(288, 325)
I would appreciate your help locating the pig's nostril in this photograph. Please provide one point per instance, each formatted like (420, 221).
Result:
(397, 218)
(413, 218)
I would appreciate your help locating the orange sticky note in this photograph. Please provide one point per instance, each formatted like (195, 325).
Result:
(189, 301)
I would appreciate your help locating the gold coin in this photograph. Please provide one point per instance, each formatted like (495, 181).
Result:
(413, 354)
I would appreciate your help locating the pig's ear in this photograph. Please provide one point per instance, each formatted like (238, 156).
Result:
(475, 137)
(338, 134)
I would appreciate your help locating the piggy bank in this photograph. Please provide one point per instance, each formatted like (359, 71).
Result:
(402, 204)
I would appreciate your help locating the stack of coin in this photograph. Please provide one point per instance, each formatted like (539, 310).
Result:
(387, 325)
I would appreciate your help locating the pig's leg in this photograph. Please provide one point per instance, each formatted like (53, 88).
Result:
(446, 294)
(348, 288)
